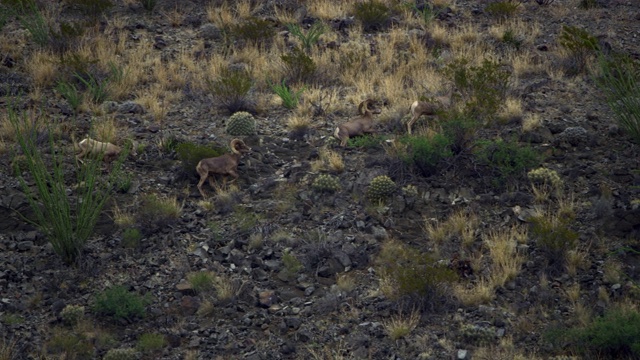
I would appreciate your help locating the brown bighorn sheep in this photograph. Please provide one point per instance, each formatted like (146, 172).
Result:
(95, 148)
(226, 164)
(419, 108)
(358, 126)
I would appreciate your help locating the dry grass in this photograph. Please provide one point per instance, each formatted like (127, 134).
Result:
(226, 287)
(123, 218)
(506, 261)
(328, 9)
(346, 282)
(328, 160)
(481, 292)
(531, 122)
(573, 293)
(512, 110)
(43, 68)
(505, 350)
(105, 129)
(462, 224)
(400, 326)
(577, 259)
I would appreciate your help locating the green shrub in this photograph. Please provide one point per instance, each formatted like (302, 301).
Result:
(615, 335)
(620, 82)
(326, 183)
(190, 154)
(298, 65)
(409, 274)
(460, 129)
(291, 264)
(380, 188)
(425, 154)
(255, 30)
(73, 345)
(67, 220)
(120, 304)
(510, 38)
(502, 10)
(231, 88)
(310, 38)
(201, 281)
(367, 141)
(554, 238)
(148, 343)
(289, 97)
(241, 123)
(506, 160)
(70, 93)
(32, 19)
(373, 15)
(131, 238)
(483, 88)
(121, 354)
(156, 213)
(580, 45)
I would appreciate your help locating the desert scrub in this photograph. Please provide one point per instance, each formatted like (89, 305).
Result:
(190, 154)
(290, 98)
(67, 220)
(149, 343)
(309, 38)
(406, 273)
(502, 10)
(201, 281)
(298, 66)
(506, 160)
(231, 88)
(425, 154)
(580, 45)
(380, 188)
(131, 238)
(368, 141)
(72, 344)
(326, 183)
(374, 15)
(121, 354)
(544, 181)
(257, 31)
(156, 213)
(241, 124)
(614, 335)
(120, 304)
(554, 238)
(482, 88)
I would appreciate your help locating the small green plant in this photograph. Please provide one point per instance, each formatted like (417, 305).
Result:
(368, 141)
(460, 129)
(245, 218)
(120, 304)
(131, 238)
(201, 281)
(477, 335)
(190, 154)
(255, 30)
(72, 344)
(121, 354)
(149, 343)
(70, 93)
(124, 182)
(298, 65)
(326, 183)
(588, 4)
(32, 19)
(510, 38)
(507, 160)
(148, 4)
(482, 88)
(380, 188)
(291, 264)
(546, 179)
(12, 319)
(97, 88)
(620, 82)
(554, 238)
(241, 123)
(374, 15)
(502, 10)
(406, 273)
(580, 45)
(425, 154)
(67, 221)
(72, 314)
(310, 38)
(426, 12)
(614, 335)
(231, 88)
(289, 97)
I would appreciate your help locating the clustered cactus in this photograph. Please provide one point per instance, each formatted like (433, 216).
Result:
(544, 176)
(477, 335)
(121, 354)
(241, 124)
(380, 188)
(326, 183)
(72, 314)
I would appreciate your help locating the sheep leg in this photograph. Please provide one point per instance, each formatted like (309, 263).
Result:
(410, 123)
(203, 177)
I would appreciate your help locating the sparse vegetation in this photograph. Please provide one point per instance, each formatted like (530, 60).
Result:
(120, 304)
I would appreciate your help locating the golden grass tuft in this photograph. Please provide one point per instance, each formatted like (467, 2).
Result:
(329, 160)
(506, 261)
(531, 122)
(329, 9)
(400, 326)
(43, 68)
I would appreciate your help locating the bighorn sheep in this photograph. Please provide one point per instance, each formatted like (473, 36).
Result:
(226, 164)
(419, 108)
(360, 125)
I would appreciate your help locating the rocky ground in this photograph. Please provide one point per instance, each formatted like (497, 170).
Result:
(332, 307)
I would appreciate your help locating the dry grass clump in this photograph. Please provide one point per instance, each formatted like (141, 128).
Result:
(400, 326)
(511, 111)
(460, 224)
(328, 9)
(329, 160)
(43, 68)
(530, 122)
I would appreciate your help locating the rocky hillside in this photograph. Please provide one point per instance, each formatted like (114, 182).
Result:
(506, 227)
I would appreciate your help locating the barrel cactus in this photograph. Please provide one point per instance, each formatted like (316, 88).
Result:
(241, 124)
(380, 188)
(326, 183)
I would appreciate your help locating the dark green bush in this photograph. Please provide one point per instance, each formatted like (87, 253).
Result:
(580, 45)
(149, 343)
(554, 239)
(373, 14)
(413, 275)
(483, 88)
(460, 129)
(131, 238)
(615, 335)
(231, 88)
(502, 10)
(506, 160)
(255, 30)
(120, 304)
(190, 154)
(368, 141)
(298, 65)
(72, 344)
(425, 154)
